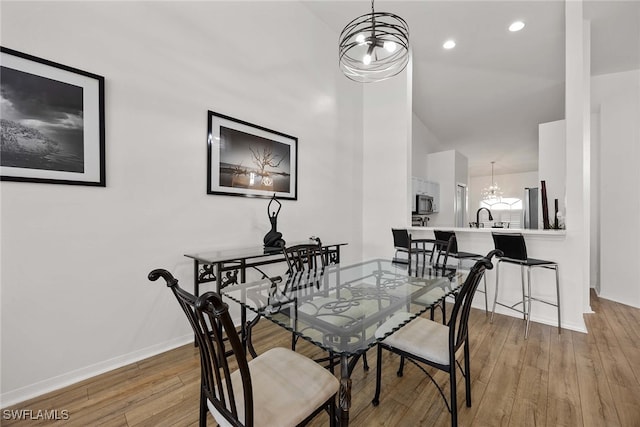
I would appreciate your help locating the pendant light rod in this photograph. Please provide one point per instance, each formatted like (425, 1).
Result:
(492, 192)
(492, 163)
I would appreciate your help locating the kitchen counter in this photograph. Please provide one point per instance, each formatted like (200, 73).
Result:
(524, 231)
(541, 244)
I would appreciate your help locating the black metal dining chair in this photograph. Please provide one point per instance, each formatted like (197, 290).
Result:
(306, 262)
(450, 250)
(278, 388)
(305, 258)
(431, 343)
(403, 243)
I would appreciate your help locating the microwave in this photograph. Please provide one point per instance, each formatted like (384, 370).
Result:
(424, 204)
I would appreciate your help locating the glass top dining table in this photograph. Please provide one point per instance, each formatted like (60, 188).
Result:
(341, 308)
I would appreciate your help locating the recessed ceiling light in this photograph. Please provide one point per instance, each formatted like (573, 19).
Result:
(516, 26)
(449, 44)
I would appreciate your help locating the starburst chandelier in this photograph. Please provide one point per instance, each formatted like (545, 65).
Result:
(492, 193)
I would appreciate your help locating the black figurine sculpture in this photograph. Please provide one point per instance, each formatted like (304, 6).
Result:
(273, 239)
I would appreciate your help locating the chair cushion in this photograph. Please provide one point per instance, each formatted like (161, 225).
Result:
(430, 297)
(392, 324)
(423, 338)
(426, 299)
(287, 388)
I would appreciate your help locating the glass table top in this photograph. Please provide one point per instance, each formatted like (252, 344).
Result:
(233, 254)
(341, 308)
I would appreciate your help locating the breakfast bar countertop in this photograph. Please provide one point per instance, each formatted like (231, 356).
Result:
(541, 244)
(524, 231)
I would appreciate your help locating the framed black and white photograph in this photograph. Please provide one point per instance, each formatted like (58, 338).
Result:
(51, 122)
(249, 160)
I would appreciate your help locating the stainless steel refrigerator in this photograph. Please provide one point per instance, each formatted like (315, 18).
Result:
(530, 208)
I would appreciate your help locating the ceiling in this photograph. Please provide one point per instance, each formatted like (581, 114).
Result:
(486, 97)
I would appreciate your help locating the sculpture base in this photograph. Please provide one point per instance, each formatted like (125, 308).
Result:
(272, 249)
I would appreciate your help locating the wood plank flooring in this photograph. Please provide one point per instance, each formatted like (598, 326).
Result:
(571, 379)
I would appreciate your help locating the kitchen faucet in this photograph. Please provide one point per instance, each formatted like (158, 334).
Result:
(478, 216)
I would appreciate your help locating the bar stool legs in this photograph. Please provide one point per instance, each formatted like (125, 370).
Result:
(484, 283)
(495, 291)
(524, 296)
(528, 315)
(527, 296)
(558, 299)
(486, 300)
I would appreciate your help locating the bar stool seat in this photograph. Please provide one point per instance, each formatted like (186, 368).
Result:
(515, 252)
(529, 261)
(462, 255)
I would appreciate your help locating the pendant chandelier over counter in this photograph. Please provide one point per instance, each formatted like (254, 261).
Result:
(374, 47)
(492, 193)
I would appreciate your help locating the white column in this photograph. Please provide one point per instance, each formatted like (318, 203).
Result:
(576, 272)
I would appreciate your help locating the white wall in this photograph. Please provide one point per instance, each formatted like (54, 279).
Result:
(447, 168)
(387, 162)
(595, 202)
(440, 168)
(423, 142)
(75, 297)
(617, 96)
(461, 178)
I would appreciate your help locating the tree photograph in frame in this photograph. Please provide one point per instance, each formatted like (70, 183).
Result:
(51, 122)
(249, 160)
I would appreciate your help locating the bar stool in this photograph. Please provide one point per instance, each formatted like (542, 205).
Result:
(403, 242)
(515, 252)
(450, 249)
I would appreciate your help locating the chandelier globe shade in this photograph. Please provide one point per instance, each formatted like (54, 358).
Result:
(492, 193)
(374, 47)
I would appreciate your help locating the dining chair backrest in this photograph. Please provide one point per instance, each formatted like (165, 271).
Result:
(445, 236)
(459, 320)
(217, 331)
(306, 257)
(186, 300)
(401, 238)
(512, 245)
(229, 395)
(209, 330)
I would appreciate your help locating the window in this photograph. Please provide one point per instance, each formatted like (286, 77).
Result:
(507, 210)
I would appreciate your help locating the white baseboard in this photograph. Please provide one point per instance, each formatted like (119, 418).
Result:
(13, 397)
(578, 327)
(604, 295)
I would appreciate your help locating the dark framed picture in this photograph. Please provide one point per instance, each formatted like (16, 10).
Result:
(249, 160)
(51, 122)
